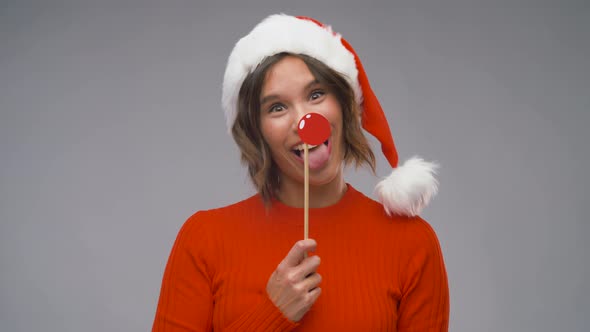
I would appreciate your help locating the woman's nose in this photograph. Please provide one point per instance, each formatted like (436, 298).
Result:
(298, 114)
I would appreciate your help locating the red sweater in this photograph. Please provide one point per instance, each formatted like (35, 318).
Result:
(379, 273)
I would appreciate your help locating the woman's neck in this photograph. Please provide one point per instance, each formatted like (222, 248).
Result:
(291, 193)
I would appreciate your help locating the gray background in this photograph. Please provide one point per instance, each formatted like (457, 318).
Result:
(111, 135)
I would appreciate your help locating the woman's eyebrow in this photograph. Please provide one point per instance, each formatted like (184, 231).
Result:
(312, 83)
(269, 98)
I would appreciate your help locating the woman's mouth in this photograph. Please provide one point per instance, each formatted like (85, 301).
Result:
(318, 154)
(298, 150)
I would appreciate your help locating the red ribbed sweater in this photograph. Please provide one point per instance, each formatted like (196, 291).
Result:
(379, 273)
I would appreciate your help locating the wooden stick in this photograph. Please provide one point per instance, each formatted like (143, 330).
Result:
(306, 192)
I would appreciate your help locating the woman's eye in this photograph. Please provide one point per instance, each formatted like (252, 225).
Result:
(275, 108)
(316, 94)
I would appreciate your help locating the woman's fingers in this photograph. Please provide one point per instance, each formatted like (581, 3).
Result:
(311, 282)
(293, 286)
(297, 253)
(314, 294)
(307, 267)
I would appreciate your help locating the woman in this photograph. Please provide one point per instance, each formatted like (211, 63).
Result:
(372, 265)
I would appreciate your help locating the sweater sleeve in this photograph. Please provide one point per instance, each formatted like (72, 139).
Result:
(424, 305)
(263, 317)
(186, 298)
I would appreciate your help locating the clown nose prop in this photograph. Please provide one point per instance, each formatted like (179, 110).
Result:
(313, 129)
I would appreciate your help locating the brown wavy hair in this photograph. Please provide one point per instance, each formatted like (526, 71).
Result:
(255, 153)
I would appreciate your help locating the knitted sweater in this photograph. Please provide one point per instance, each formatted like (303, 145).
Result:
(379, 273)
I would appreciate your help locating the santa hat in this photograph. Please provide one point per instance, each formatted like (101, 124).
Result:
(409, 187)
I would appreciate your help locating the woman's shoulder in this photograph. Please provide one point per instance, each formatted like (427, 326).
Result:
(415, 229)
(211, 223)
(249, 203)
(418, 239)
(223, 214)
(375, 210)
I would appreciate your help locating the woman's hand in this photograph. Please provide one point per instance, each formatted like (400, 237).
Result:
(293, 286)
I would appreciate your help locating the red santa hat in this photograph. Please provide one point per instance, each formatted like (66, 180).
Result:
(409, 188)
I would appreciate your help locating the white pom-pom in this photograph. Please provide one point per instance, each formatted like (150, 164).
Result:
(409, 188)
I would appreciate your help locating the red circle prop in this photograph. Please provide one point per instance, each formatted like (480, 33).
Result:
(314, 129)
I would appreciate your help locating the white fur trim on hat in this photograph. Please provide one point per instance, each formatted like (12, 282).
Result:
(283, 33)
(409, 188)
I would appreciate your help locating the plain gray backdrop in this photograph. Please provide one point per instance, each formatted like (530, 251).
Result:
(112, 135)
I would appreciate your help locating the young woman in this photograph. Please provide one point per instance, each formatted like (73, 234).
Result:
(372, 266)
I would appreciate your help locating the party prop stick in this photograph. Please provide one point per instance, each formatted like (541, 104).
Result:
(306, 191)
(313, 129)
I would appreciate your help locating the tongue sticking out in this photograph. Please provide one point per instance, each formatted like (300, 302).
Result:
(318, 156)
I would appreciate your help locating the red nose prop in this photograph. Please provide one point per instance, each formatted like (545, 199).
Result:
(313, 129)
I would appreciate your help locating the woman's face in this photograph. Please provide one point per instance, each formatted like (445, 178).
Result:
(290, 91)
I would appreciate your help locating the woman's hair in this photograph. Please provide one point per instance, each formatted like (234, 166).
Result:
(255, 152)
